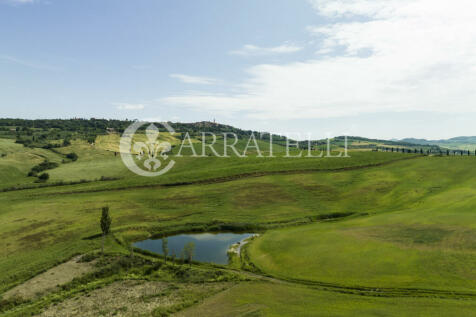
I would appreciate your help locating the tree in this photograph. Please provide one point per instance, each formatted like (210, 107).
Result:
(173, 257)
(44, 177)
(105, 225)
(165, 248)
(72, 156)
(188, 251)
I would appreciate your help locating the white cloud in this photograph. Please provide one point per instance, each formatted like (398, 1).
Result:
(30, 64)
(128, 106)
(386, 55)
(18, 1)
(194, 79)
(252, 50)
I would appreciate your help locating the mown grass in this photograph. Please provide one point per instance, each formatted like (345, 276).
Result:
(274, 299)
(428, 241)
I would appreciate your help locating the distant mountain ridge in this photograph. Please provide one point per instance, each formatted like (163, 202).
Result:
(459, 139)
(461, 142)
(43, 130)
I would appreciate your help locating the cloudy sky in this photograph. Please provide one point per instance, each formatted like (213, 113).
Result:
(375, 68)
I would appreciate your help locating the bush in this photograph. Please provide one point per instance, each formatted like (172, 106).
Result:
(107, 178)
(72, 156)
(46, 165)
(89, 257)
(44, 177)
(50, 146)
(7, 304)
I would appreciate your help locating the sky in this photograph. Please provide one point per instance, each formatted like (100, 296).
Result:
(373, 68)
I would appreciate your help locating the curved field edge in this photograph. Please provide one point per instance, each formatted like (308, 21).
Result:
(189, 170)
(393, 254)
(60, 225)
(278, 299)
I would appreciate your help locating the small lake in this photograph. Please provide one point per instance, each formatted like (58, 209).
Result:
(209, 247)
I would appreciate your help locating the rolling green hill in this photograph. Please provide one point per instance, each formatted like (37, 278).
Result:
(375, 234)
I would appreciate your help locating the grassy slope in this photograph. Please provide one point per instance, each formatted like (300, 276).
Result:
(101, 160)
(427, 196)
(428, 242)
(18, 161)
(271, 299)
(43, 221)
(95, 162)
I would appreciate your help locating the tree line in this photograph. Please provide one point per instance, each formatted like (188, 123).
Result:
(436, 151)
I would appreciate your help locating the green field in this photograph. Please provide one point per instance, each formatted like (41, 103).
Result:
(428, 241)
(339, 236)
(272, 299)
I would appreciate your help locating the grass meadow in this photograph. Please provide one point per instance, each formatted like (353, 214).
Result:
(339, 236)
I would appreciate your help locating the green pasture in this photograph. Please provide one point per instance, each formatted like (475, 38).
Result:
(277, 299)
(375, 220)
(428, 241)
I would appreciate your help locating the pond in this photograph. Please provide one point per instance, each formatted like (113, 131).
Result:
(209, 247)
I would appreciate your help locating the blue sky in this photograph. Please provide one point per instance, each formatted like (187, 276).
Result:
(375, 68)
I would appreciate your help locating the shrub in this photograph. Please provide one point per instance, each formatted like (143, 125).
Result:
(46, 165)
(51, 146)
(44, 177)
(72, 156)
(88, 257)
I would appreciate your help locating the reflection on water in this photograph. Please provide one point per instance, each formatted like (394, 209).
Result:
(209, 247)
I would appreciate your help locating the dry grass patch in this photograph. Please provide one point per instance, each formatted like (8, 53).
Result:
(50, 279)
(136, 298)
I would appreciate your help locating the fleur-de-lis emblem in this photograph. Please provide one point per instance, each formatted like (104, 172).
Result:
(151, 153)
(152, 149)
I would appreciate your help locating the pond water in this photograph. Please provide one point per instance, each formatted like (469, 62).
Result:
(209, 247)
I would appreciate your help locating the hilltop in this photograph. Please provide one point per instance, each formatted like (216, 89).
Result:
(461, 142)
(48, 132)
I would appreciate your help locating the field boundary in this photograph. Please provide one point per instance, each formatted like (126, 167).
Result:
(362, 290)
(225, 179)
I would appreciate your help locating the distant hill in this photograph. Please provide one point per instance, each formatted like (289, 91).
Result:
(49, 133)
(356, 142)
(462, 142)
